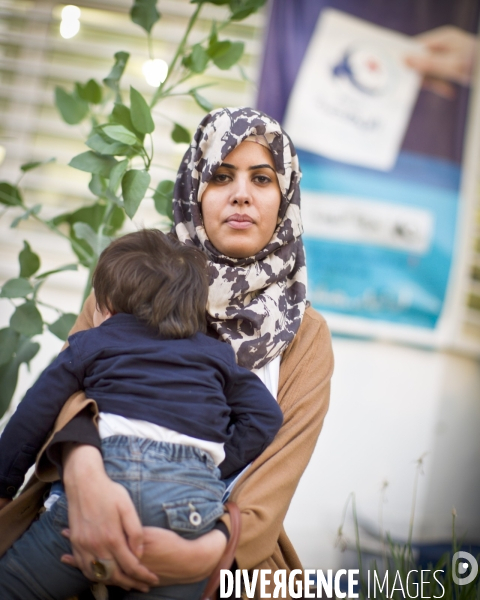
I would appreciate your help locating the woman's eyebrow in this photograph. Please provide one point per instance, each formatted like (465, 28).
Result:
(265, 166)
(252, 168)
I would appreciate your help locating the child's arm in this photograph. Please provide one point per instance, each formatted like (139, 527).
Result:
(4, 502)
(35, 415)
(256, 419)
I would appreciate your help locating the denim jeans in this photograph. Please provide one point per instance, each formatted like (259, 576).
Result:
(172, 486)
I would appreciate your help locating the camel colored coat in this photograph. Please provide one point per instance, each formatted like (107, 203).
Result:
(264, 492)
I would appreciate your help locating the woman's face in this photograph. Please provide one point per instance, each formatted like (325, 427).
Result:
(240, 205)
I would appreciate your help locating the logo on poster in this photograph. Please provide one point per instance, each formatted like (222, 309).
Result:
(366, 68)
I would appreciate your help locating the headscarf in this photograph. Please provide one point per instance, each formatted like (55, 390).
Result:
(257, 303)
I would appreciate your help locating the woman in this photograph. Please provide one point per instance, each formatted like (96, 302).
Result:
(237, 198)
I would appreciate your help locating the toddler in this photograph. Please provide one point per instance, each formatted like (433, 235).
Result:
(177, 414)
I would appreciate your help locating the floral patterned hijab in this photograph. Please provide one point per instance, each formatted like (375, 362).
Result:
(257, 303)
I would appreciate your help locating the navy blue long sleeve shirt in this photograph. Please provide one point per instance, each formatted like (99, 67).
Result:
(191, 385)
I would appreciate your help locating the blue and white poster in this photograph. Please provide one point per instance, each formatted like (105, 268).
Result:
(381, 158)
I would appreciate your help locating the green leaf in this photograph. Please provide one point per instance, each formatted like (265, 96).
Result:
(163, 197)
(216, 48)
(10, 195)
(140, 112)
(134, 186)
(16, 288)
(71, 267)
(33, 165)
(121, 115)
(72, 109)
(225, 54)
(201, 101)
(97, 242)
(92, 162)
(97, 143)
(92, 215)
(121, 134)
(113, 78)
(29, 261)
(34, 210)
(26, 350)
(243, 8)
(27, 320)
(198, 59)
(180, 135)
(90, 92)
(62, 327)
(116, 175)
(97, 185)
(8, 344)
(8, 383)
(145, 14)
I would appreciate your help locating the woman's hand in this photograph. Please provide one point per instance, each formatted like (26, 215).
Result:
(103, 521)
(177, 560)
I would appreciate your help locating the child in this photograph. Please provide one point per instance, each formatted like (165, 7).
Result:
(173, 406)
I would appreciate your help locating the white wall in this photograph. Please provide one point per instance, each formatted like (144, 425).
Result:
(391, 405)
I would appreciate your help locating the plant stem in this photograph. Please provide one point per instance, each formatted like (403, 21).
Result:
(150, 46)
(88, 286)
(414, 501)
(357, 543)
(159, 93)
(55, 229)
(58, 310)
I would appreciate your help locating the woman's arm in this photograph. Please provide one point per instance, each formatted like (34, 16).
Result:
(102, 518)
(104, 524)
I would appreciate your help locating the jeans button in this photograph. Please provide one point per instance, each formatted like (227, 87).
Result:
(195, 518)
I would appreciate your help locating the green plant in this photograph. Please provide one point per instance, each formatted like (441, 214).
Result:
(398, 574)
(119, 157)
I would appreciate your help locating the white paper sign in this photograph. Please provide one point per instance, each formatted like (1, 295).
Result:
(354, 95)
(363, 221)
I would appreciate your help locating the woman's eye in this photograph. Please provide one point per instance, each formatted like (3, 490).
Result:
(221, 177)
(262, 179)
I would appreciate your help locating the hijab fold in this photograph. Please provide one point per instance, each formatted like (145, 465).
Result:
(256, 303)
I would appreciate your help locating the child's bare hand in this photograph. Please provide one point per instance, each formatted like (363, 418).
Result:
(4, 502)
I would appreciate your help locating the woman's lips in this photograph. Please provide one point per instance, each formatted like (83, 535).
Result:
(238, 221)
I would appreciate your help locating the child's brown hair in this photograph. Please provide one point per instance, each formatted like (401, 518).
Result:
(156, 278)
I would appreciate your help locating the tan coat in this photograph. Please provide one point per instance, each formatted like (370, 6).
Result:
(264, 492)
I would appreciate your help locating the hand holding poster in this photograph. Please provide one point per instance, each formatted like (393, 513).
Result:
(354, 95)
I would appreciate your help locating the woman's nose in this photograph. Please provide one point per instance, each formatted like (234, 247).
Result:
(241, 193)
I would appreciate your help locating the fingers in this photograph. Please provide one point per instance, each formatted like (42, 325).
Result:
(133, 569)
(133, 529)
(128, 572)
(450, 53)
(441, 66)
(117, 578)
(440, 38)
(441, 88)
